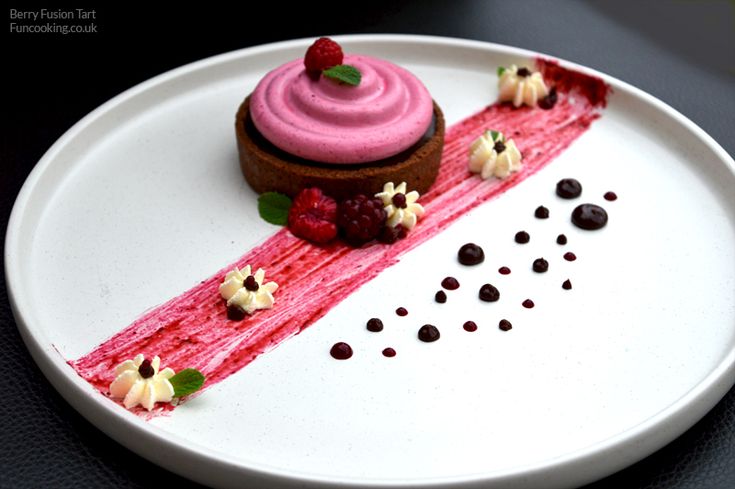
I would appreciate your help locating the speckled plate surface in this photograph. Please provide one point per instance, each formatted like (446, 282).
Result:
(143, 198)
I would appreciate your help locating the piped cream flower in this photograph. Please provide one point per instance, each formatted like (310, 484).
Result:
(492, 155)
(138, 381)
(400, 207)
(521, 86)
(247, 291)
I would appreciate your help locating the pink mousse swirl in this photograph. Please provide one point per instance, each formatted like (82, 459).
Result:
(330, 122)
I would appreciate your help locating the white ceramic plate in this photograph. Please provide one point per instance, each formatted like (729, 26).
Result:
(143, 198)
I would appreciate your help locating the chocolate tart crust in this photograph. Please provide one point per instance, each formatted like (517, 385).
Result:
(269, 169)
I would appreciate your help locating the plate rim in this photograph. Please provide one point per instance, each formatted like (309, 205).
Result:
(186, 458)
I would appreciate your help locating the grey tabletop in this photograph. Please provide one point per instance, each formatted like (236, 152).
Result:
(680, 51)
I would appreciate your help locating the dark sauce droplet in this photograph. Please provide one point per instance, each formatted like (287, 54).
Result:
(251, 284)
(540, 265)
(549, 101)
(522, 237)
(561, 239)
(569, 256)
(610, 196)
(440, 297)
(402, 311)
(450, 283)
(589, 216)
(528, 304)
(428, 333)
(235, 313)
(489, 293)
(505, 325)
(470, 254)
(146, 369)
(541, 212)
(341, 351)
(504, 271)
(375, 325)
(389, 352)
(470, 326)
(568, 188)
(567, 285)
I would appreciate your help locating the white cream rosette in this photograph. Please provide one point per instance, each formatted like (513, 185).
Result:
(130, 386)
(234, 291)
(524, 88)
(400, 207)
(491, 155)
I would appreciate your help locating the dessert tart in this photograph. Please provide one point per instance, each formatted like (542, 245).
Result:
(303, 128)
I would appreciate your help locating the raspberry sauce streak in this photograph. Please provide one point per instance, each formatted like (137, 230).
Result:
(192, 330)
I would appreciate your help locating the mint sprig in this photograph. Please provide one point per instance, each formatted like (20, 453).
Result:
(495, 135)
(344, 73)
(186, 382)
(501, 70)
(273, 207)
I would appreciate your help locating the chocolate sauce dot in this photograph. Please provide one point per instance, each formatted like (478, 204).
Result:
(561, 239)
(450, 283)
(251, 284)
(540, 265)
(541, 212)
(389, 352)
(235, 313)
(399, 200)
(549, 101)
(341, 351)
(499, 147)
(470, 326)
(524, 72)
(440, 297)
(569, 256)
(375, 325)
(610, 196)
(504, 271)
(470, 254)
(568, 188)
(522, 237)
(402, 311)
(146, 369)
(589, 216)
(505, 325)
(528, 304)
(489, 293)
(428, 333)
(567, 285)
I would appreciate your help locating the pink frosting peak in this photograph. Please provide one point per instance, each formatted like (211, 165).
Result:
(330, 122)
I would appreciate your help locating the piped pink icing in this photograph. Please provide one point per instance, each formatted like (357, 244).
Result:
(330, 122)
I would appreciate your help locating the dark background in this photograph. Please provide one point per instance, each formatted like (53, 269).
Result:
(680, 51)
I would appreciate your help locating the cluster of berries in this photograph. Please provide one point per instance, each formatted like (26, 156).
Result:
(318, 218)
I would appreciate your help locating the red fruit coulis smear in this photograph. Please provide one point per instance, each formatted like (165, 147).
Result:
(192, 330)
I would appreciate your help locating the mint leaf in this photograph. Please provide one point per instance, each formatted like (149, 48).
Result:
(495, 135)
(344, 74)
(273, 207)
(501, 70)
(186, 382)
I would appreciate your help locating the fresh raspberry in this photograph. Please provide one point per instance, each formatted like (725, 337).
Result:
(390, 235)
(312, 216)
(323, 54)
(361, 218)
